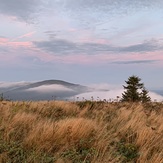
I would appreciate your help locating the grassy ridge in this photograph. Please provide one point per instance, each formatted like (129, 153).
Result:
(67, 132)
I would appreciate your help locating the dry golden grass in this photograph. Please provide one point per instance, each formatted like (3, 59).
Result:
(74, 132)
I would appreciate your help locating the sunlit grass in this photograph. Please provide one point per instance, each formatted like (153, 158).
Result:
(97, 132)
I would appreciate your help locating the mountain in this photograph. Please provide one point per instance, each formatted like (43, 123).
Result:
(6, 86)
(43, 90)
(62, 90)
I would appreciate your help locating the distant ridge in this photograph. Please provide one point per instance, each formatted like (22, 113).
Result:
(44, 90)
(49, 82)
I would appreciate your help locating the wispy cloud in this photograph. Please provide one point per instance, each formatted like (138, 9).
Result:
(62, 51)
(13, 43)
(146, 46)
(22, 10)
(28, 10)
(3, 39)
(125, 3)
(8, 44)
(29, 34)
(51, 34)
(102, 10)
(58, 46)
(136, 62)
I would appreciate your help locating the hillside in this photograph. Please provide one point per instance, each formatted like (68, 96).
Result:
(75, 132)
(42, 90)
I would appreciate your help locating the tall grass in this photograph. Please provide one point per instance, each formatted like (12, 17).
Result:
(74, 132)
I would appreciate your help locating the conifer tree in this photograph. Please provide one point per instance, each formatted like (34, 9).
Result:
(144, 96)
(135, 90)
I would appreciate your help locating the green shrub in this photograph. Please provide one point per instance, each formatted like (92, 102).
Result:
(127, 150)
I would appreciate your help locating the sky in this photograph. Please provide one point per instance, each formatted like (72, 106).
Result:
(82, 41)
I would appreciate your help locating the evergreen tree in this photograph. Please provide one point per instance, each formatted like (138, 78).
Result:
(144, 95)
(135, 90)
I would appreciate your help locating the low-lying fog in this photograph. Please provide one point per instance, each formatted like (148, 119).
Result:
(54, 89)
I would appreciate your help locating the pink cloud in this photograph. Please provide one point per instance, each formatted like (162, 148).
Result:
(20, 44)
(14, 44)
(3, 40)
(29, 34)
(99, 59)
(111, 58)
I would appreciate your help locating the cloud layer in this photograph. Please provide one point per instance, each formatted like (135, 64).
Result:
(111, 95)
(57, 46)
(26, 91)
(95, 39)
(22, 10)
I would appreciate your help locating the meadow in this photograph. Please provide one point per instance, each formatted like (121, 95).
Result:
(81, 132)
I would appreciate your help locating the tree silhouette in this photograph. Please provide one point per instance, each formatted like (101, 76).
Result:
(144, 95)
(135, 90)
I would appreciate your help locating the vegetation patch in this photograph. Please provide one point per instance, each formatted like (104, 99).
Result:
(128, 151)
(74, 132)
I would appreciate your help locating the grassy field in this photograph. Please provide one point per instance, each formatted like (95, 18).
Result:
(81, 132)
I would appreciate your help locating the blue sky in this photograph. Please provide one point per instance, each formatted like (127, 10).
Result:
(84, 41)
